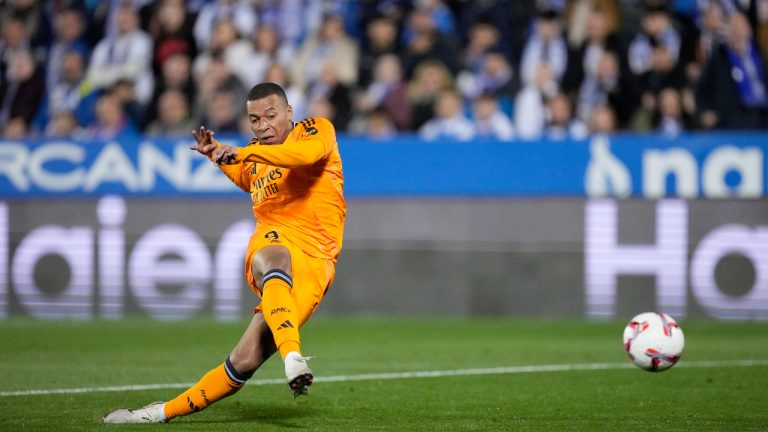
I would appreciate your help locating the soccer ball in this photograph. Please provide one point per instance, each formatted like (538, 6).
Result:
(653, 341)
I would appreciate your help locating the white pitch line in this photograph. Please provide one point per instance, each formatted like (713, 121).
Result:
(401, 375)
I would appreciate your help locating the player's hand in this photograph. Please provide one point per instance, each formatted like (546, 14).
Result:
(203, 142)
(224, 155)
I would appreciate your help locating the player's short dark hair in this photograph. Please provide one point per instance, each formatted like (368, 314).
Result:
(260, 91)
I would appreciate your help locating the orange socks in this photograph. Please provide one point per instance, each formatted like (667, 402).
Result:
(217, 384)
(279, 310)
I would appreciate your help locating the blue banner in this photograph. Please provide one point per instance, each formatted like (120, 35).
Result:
(721, 165)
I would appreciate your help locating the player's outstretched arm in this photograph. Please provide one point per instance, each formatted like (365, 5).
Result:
(208, 146)
(314, 144)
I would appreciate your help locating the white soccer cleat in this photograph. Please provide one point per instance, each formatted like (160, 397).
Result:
(298, 374)
(152, 413)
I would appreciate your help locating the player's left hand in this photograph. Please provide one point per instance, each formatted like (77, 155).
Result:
(224, 155)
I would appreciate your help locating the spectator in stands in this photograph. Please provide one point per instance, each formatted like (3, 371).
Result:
(321, 107)
(738, 73)
(439, 14)
(381, 39)
(712, 31)
(578, 18)
(545, 49)
(330, 45)
(104, 16)
(510, 18)
(222, 113)
(530, 105)
(111, 122)
(545, 57)
(14, 40)
(63, 124)
(330, 87)
(275, 14)
(15, 128)
(171, 30)
(655, 56)
(124, 91)
(598, 39)
(267, 49)
(489, 120)
(240, 12)
(670, 120)
(173, 115)
(606, 84)
(603, 121)
(209, 81)
(36, 26)
(561, 124)
(426, 43)
(428, 16)
(380, 126)
(68, 94)
(125, 56)
(278, 74)
(387, 92)
(761, 30)
(69, 25)
(175, 74)
(21, 89)
(495, 77)
(234, 51)
(484, 38)
(429, 79)
(449, 121)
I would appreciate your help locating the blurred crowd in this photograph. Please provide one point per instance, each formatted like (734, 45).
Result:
(506, 69)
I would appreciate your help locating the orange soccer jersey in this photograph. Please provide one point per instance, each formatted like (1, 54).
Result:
(297, 186)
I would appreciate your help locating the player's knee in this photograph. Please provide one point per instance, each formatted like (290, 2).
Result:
(273, 258)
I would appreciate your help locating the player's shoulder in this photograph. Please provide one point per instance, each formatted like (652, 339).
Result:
(313, 125)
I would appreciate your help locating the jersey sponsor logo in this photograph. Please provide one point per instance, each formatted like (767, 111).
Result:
(267, 178)
(266, 186)
(279, 310)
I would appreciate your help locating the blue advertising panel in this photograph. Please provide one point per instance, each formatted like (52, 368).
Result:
(719, 165)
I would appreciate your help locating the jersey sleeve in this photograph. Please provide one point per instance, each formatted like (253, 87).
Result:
(315, 141)
(239, 173)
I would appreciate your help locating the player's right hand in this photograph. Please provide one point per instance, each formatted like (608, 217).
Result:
(203, 142)
(224, 155)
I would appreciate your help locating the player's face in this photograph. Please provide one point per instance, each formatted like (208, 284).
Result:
(270, 119)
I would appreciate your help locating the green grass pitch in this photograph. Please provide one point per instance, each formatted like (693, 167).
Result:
(97, 355)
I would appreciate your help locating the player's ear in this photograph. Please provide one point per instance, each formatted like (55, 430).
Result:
(290, 112)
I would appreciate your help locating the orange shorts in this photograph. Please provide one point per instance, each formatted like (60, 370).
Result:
(311, 276)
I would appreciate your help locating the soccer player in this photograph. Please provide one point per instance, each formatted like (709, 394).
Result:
(293, 173)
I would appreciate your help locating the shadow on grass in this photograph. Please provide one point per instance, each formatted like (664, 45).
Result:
(294, 415)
